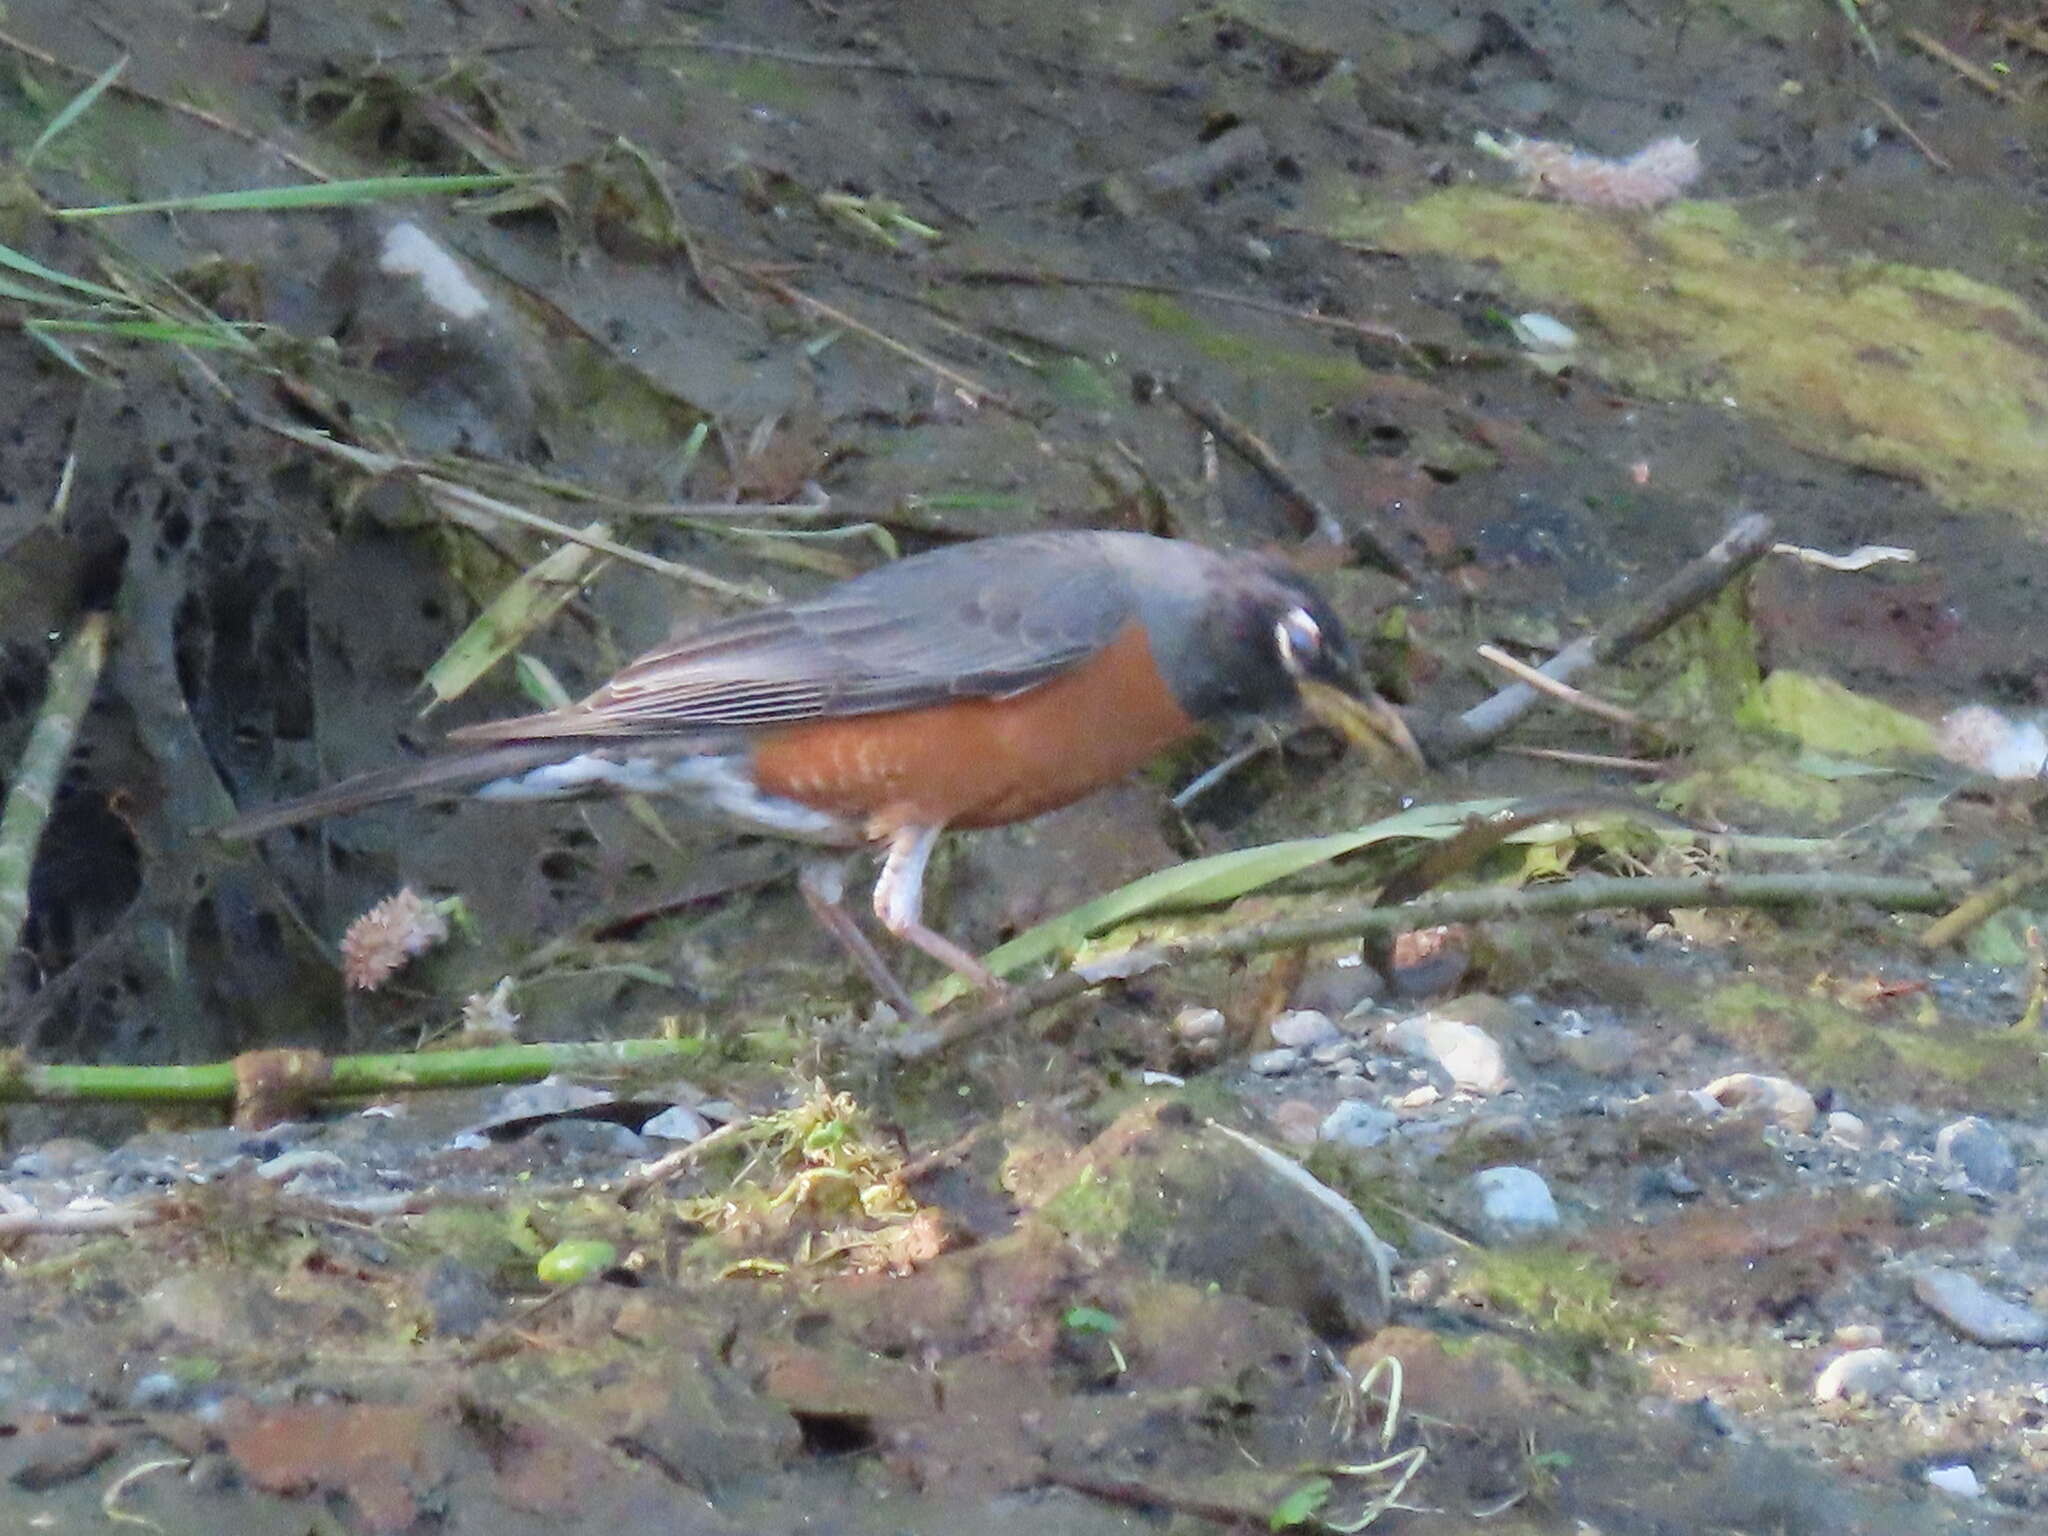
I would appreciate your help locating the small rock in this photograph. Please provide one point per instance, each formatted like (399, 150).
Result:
(1304, 1029)
(1976, 1313)
(1600, 1051)
(1357, 1086)
(1358, 1125)
(1297, 1121)
(1470, 1056)
(1972, 1147)
(1274, 1063)
(1859, 1335)
(1861, 1375)
(1336, 1051)
(1514, 1203)
(1920, 1384)
(1783, 1102)
(1419, 1098)
(1339, 987)
(289, 1165)
(1846, 1131)
(1193, 1024)
(157, 1390)
(1958, 1481)
(679, 1122)
(1428, 962)
(57, 1157)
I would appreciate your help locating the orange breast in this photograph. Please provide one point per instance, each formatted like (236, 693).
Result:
(982, 762)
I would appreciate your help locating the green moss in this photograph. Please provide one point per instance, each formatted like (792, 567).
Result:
(1332, 376)
(1820, 1041)
(1568, 1298)
(1820, 713)
(1906, 370)
(1094, 1210)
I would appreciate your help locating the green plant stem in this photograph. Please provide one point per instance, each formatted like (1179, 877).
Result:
(1587, 894)
(346, 1076)
(73, 676)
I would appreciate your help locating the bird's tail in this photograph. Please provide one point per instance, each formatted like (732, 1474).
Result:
(436, 778)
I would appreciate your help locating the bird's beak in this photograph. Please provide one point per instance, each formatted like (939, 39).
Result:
(1365, 720)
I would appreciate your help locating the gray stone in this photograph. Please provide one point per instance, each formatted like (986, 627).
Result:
(1467, 1054)
(1274, 1063)
(1357, 1124)
(1975, 1312)
(1846, 1131)
(1514, 1203)
(1780, 1100)
(1859, 1375)
(679, 1122)
(1973, 1148)
(1338, 989)
(1304, 1029)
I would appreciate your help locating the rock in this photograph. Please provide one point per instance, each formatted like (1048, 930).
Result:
(305, 1160)
(1920, 1384)
(1860, 1375)
(1304, 1029)
(1515, 1204)
(1845, 1130)
(1202, 1203)
(1976, 1313)
(679, 1122)
(1973, 1148)
(1338, 987)
(1419, 1098)
(1427, 962)
(1192, 1024)
(1274, 1063)
(1958, 1481)
(1336, 1055)
(1297, 1121)
(1601, 1051)
(1472, 1058)
(159, 1390)
(1358, 1125)
(57, 1157)
(1780, 1100)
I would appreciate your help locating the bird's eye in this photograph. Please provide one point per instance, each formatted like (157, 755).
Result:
(1299, 638)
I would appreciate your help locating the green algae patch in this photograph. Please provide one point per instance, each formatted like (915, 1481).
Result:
(1943, 1064)
(1821, 714)
(1911, 371)
(1572, 1302)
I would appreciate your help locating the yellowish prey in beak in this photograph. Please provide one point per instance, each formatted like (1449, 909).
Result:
(1367, 722)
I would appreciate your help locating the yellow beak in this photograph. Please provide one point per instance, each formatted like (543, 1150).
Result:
(1369, 723)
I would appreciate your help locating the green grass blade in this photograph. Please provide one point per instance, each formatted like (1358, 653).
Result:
(28, 266)
(318, 194)
(221, 337)
(74, 109)
(529, 601)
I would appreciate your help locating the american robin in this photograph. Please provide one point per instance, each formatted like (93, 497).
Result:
(972, 686)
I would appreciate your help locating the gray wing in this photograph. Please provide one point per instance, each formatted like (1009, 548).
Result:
(978, 620)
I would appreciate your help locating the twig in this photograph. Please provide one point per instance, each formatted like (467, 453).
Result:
(1747, 540)
(1934, 156)
(1984, 903)
(1976, 74)
(464, 504)
(124, 1217)
(1641, 765)
(669, 1164)
(1026, 276)
(973, 390)
(1254, 450)
(73, 676)
(1586, 894)
(1564, 693)
(198, 114)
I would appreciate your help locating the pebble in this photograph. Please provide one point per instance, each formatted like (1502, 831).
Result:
(1274, 1063)
(1973, 1148)
(679, 1122)
(57, 1157)
(1193, 1024)
(1975, 1312)
(1339, 988)
(1599, 1052)
(1334, 1052)
(1358, 1125)
(1473, 1059)
(159, 1389)
(1514, 1203)
(1783, 1102)
(1860, 1375)
(287, 1165)
(1298, 1122)
(1846, 1131)
(1958, 1481)
(1419, 1098)
(1304, 1029)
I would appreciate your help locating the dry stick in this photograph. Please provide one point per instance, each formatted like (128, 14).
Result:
(1981, 905)
(1255, 451)
(73, 676)
(1588, 894)
(1027, 277)
(1976, 74)
(1588, 759)
(1934, 156)
(1564, 693)
(197, 114)
(976, 392)
(1747, 540)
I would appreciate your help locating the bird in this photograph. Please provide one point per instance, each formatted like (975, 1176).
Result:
(970, 686)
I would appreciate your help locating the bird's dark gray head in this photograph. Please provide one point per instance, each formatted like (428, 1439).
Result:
(1262, 642)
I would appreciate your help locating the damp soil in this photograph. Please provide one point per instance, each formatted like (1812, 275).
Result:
(925, 275)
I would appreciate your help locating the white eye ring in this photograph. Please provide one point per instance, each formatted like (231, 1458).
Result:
(1299, 639)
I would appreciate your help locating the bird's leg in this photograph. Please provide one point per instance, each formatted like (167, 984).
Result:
(823, 884)
(899, 903)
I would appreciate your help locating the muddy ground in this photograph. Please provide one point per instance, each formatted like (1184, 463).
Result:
(911, 274)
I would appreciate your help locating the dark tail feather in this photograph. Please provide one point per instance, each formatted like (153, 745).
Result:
(435, 778)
